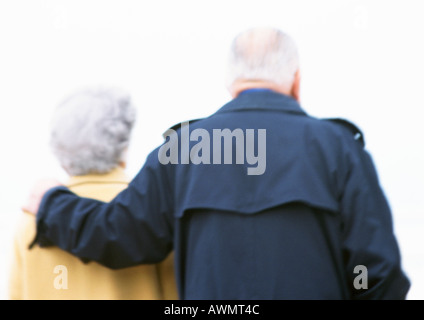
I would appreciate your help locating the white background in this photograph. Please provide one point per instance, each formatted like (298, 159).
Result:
(361, 60)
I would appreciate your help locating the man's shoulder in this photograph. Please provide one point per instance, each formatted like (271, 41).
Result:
(179, 125)
(339, 125)
(346, 127)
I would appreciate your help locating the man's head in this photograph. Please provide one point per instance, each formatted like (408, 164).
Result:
(264, 58)
(91, 129)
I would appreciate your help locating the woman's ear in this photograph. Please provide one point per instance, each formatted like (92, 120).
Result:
(123, 162)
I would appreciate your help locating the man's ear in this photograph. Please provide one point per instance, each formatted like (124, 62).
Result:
(295, 90)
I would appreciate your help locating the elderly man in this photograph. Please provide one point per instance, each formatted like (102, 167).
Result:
(89, 136)
(309, 222)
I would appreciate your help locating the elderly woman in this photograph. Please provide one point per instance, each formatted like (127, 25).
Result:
(90, 135)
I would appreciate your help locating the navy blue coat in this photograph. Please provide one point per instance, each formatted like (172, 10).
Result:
(295, 232)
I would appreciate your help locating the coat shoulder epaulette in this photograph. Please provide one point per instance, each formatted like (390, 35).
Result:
(176, 126)
(356, 132)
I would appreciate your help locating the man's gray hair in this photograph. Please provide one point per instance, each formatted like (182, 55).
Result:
(90, 130)
(263, 54)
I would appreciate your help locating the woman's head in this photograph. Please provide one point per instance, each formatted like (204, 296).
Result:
(90, 130)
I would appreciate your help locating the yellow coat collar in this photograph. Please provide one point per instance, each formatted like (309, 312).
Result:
(117, 175)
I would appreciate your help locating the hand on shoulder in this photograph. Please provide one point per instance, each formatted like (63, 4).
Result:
(37, 192)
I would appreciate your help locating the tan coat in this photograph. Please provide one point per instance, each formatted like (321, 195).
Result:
(51, 273)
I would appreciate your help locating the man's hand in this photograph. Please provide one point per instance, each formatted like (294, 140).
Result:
(36, 194)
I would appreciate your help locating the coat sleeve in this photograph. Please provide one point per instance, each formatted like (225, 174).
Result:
(368, 237)
(134, 228)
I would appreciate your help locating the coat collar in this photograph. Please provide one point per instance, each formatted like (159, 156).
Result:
(117, 175)
(262, 100)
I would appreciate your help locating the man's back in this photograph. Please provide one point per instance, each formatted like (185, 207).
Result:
(298, 230)
(51, 273)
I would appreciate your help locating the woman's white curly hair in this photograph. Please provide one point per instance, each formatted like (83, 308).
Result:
(91, 129)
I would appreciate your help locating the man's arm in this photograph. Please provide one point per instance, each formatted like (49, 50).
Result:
(134, 228)
(368, 236)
